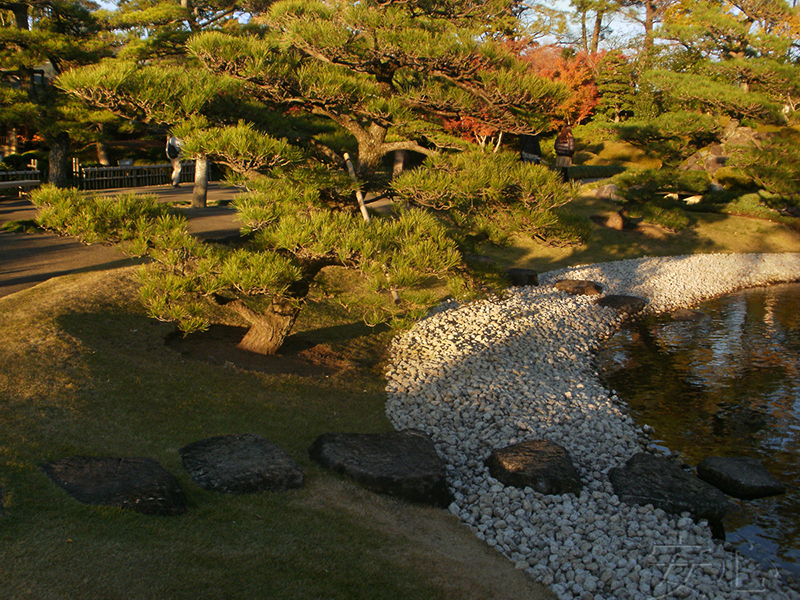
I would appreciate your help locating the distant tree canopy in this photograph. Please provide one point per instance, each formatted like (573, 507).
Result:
(38, 41)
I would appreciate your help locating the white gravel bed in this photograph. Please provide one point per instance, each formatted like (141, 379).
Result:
(492, 373)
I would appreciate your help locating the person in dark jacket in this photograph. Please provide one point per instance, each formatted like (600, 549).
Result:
(174, 155)
(565, 148)
(529, 149)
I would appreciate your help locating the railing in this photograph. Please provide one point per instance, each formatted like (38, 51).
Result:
(20, 175)
(124, 176)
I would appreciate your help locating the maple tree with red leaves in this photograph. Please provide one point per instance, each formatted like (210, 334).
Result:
(573, 69)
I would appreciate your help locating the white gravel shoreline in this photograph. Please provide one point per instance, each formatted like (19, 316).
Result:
(496, 372)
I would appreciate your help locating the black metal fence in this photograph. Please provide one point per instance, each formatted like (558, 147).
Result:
(125, 176)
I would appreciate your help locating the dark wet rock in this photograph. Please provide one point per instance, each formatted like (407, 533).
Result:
(740, 477)
(650, 479)
(139, 484)
(240, 464)
(627, 304)
(687, 314)
(540, 464)
(521, 277)
(2, 507)
(398, 463)
(579, 287)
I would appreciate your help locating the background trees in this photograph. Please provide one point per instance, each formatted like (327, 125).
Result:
(38, 41)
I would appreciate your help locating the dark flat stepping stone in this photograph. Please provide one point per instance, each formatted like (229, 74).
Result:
(578, 287)
(522, 277)
(540, 464)
(649, 479)
(240, 464)
(139, 484)
(687, 314)
(740, 477)
(398, 463)
(627, 304)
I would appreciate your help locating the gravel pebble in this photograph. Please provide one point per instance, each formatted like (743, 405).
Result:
(488, 374)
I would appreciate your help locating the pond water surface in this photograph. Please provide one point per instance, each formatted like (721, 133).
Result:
(727, 385)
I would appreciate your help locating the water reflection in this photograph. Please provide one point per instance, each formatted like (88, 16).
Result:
(725, 385)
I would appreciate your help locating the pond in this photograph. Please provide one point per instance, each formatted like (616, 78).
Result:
(726, 385)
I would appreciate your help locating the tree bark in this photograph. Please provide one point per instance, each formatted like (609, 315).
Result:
(269, 330)
(59, 159)
(102, 154)
(598, 27)
(649, 23)
(200, 192)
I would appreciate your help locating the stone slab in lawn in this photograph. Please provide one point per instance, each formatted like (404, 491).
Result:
(398, 463)
(240, 464)
(139, 484)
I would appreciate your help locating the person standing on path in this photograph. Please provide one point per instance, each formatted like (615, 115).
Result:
(174, 155)
(565, 148)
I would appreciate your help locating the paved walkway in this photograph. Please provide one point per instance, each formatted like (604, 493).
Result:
(29, 259)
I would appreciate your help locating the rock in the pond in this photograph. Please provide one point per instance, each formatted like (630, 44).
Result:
(521, 277)
(578, 287)
(739, 476)
(687, 314)
(398, 463)
(539, 464)
(139, 484)
(650, 479)
(240, 464)
(627, 304)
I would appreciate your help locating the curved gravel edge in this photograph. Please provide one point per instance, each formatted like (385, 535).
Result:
(495, 372)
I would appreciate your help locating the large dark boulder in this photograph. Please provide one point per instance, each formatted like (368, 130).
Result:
(650, 479)
(627, 304)
(398, 463)
(578, 287)
(539, 464)
(740, 477)
(139, 484)
(240, 464)
(522, 277)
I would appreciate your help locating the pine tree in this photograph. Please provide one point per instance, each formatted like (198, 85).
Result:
(388, 76)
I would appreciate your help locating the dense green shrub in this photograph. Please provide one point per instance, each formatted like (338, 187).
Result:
(772, 165)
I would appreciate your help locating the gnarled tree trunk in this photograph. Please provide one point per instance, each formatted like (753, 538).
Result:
(267, 330)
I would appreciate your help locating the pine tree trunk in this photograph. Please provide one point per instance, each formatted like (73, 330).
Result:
(200, 192)
(598, 27)
(59, 159)
(102, 154)
(269, 330)
(649, 22)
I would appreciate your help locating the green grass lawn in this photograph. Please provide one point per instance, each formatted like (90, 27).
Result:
(85, 372)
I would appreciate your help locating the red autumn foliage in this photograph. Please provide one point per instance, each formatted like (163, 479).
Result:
(575, 71)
